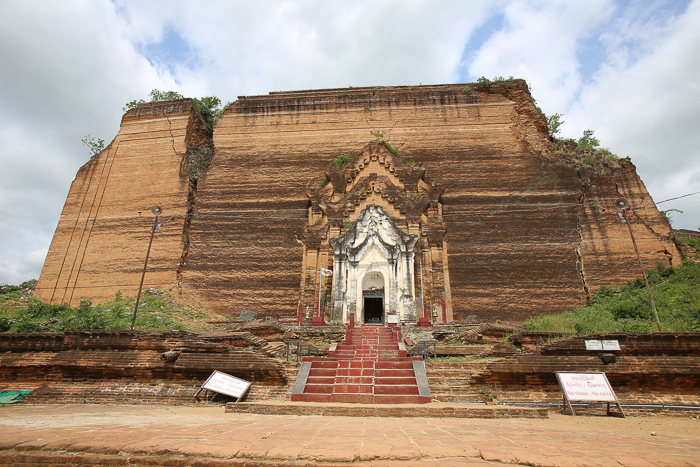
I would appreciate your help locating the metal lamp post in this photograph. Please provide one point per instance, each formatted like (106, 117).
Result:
(424, 321)
(156, 211)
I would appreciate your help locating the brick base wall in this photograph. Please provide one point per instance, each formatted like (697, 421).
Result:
(127, 366)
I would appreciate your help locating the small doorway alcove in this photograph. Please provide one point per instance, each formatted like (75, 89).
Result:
(373, 298)
(373, 308)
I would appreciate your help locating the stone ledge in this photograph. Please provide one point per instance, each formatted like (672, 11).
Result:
(431, 410)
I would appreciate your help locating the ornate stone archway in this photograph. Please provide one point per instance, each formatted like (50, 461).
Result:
(374, 244)
(375, 214)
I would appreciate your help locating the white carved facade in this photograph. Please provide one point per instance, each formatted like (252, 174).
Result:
(373, 265)
(374, 218)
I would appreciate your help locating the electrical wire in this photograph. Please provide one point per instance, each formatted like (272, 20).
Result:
(679, 197)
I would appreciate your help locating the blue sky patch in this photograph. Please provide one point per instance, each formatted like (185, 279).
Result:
(171, 51)
(480, 35)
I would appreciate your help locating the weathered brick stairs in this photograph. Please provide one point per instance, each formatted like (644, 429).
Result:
(370, 366)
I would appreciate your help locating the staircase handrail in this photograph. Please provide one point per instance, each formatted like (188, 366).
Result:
(423, 348)
(303, 349)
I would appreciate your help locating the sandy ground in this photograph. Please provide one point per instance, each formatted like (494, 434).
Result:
(58, 415)
(202, 433)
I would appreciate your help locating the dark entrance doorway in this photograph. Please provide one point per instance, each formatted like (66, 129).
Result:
(374, 308)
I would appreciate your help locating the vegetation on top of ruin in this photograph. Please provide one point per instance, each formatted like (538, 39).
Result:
(324, 181)
(209, 107)
(583, 152)
(158, 311)
(95, 145)
(627, 308)
(485, 83)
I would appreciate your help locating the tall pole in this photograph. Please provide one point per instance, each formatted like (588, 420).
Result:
(143, 275)
(424, 321)
(318, 319)
(641, 267)
(320, 280)
(422, 297)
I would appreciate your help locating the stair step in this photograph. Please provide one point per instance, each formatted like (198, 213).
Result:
(394, 365)
(352, 398)
(321, 372)
(354, 380)
(355, 372)
(354, 389)
(400, 380)
(394, 373)
(396, 389)
(320, 380)
(367, 367)
(355, 364)
(325, 364)
(319, 388)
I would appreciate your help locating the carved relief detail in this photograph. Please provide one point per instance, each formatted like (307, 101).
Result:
(374, 221)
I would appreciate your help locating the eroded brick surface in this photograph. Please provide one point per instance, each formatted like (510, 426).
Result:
(525, 233)
(127, 366)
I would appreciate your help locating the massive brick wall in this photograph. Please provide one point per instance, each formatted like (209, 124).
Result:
(102, 236)
(526, 233)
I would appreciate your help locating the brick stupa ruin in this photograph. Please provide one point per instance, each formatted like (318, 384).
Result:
(375, 184)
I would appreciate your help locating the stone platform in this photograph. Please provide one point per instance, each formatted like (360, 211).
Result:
(431, 410)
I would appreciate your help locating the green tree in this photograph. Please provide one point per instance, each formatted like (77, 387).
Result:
(554, 123)
(588, 142)
(209, 107)
(157, 95)
(96, 145)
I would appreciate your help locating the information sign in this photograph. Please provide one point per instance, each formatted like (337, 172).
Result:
(611, 345)
(392, 319)
(593, 345)
(226, 384)
(586, 387)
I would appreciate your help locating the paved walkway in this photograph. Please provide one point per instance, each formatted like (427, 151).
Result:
(207, 436)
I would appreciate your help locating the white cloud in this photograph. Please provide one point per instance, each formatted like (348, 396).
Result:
(257, 47)
(539, 43)
(649, 109)
(70, 66)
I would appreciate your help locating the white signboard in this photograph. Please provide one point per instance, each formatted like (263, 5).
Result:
(611, 345)
(591, 387)
(393, 319)
(593, 345)
(226, 384)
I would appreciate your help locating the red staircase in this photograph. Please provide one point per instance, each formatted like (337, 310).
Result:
(367, 367)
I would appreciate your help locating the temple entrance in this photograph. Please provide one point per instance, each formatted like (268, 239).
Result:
(373, 305)
(373, 269)
(373, 295)
(377, 216)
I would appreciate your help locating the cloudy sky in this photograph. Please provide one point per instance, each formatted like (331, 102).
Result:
(629, 70)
